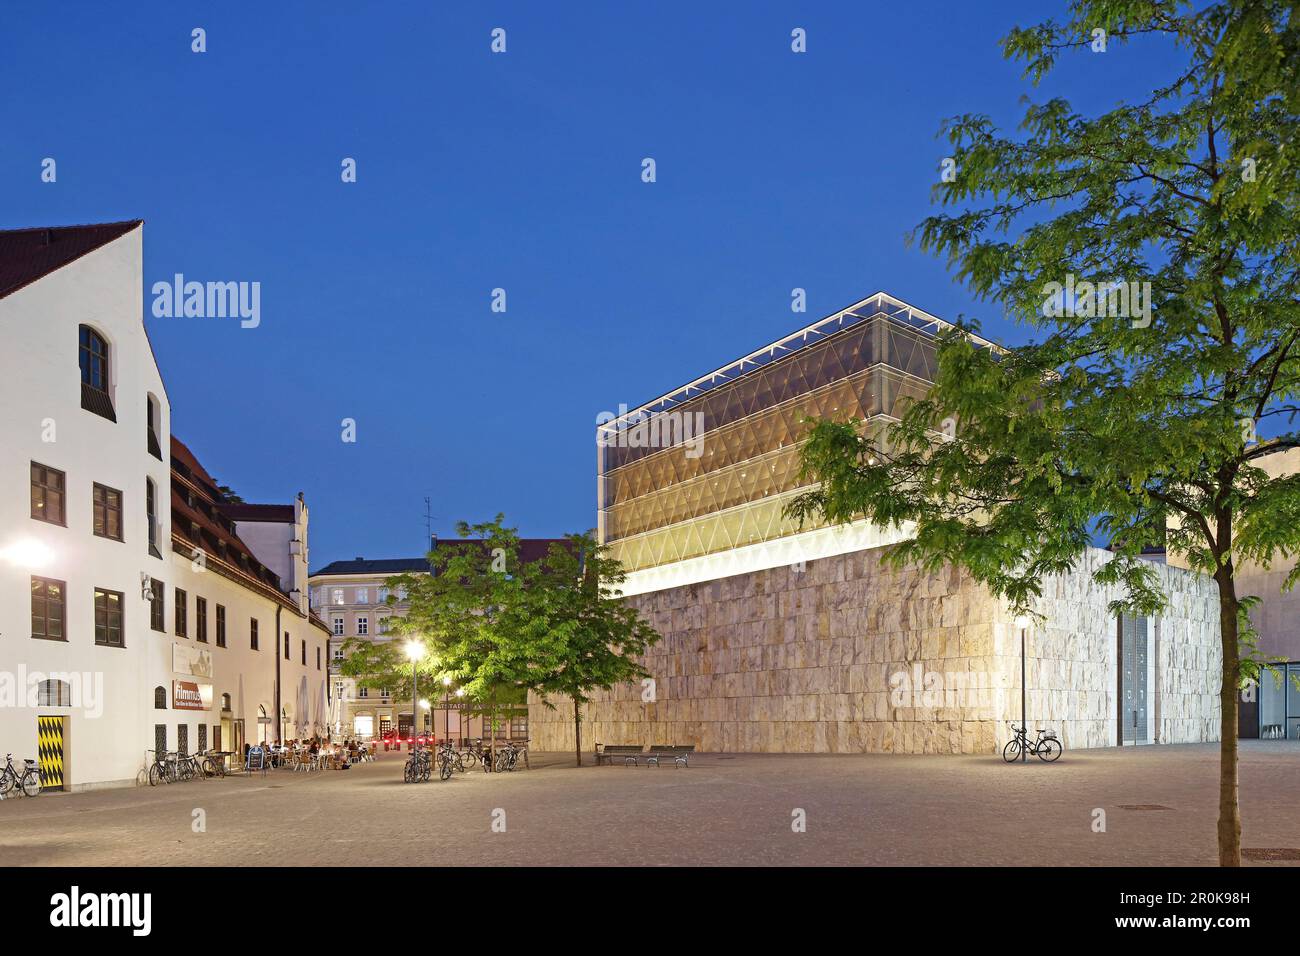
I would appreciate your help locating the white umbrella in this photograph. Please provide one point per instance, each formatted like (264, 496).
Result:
(300, 708)
(321, 712)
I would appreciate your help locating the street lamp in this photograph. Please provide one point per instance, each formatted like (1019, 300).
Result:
(446, 706)
(414, 653)
(460, 713)
(1022, 622)
(28, 553)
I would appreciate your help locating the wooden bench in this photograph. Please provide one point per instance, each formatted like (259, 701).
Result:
(629, 753)
(681, 754)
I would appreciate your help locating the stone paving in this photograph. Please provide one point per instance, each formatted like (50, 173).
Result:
(868, 809)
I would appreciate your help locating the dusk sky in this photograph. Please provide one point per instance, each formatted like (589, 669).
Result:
(477, 171)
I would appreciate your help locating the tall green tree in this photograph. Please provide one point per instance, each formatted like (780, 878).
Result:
(1116, 421)
(457, 614)
(584, 636)
(465, 612)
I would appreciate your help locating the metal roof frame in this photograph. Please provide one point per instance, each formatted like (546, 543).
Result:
(879, 303)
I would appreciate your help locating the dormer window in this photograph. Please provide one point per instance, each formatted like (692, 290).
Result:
(92, 355)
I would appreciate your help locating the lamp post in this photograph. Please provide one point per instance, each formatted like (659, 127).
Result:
(460, 715)
(414, 653)
(446, 707)
(1023, 623)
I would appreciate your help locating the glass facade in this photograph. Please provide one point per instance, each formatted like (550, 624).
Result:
(711, 466)
(1279, 702)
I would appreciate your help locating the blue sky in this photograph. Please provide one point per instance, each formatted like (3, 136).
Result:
(477, 171)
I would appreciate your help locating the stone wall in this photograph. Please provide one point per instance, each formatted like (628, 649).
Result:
(850, 655)
(1072, 659)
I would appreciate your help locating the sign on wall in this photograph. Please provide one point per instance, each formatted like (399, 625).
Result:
(190, 695)
(187, 659)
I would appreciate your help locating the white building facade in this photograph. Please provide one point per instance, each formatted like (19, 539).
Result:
(92, 672)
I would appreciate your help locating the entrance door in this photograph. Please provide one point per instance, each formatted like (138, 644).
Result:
(49, 751)
(1133, 680)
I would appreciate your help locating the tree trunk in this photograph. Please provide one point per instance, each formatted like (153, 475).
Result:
(1229, 804)
(577, 729)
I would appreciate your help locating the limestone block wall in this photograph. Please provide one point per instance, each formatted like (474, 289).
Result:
(1072, 659)
(851, 656)
(833, 658)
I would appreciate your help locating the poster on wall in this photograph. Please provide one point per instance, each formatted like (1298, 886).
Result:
(196, 661)
(189, 695)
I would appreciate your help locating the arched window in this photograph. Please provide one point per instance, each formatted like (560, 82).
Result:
(54, 693)
(93, 357)
(160, 698)
(225, 701)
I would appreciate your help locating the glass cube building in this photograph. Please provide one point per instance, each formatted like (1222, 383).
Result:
(691, 485)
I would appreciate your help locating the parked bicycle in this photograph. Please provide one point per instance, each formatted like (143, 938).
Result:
(163, 769)
(189, 767)
(1045, 746)
(214, 764)
(28, 781)
(452, 756)
(507, 757)
(476, 754)
(419, 766)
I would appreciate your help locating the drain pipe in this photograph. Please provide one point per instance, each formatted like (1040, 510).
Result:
(279, 724)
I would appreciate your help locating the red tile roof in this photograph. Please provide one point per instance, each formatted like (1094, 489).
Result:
(202, 523)
(30, 254)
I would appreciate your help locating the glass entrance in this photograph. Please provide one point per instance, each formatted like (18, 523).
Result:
(1133, 679)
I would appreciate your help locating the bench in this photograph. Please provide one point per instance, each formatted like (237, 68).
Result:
(681, 754)
(629, 753)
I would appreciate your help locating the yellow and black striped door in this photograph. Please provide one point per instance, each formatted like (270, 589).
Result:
(49, 751)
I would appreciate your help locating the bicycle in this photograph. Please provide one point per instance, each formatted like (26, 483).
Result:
(453, 756)
(1045, 746)
(419, 766)
(189, 767)
(28, 782)
(214, 764)
(506, 757)
(163, 768)
(473, 755)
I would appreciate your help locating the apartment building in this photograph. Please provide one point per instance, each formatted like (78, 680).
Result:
(352, 597)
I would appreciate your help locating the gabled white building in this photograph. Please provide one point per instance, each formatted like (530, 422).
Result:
(93, 671)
